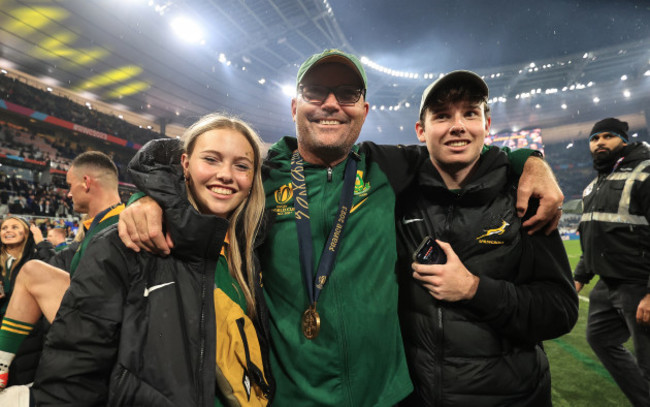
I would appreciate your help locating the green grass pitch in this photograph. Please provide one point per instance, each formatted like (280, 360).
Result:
(578, 378)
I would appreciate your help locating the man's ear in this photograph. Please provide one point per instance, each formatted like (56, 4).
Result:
(294, 108)
(87, 183)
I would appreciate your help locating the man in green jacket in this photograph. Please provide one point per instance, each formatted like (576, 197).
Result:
(329, 254)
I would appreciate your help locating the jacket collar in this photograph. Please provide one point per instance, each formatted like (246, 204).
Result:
(487, 180)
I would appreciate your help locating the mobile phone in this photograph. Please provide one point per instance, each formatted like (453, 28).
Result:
(428, 252)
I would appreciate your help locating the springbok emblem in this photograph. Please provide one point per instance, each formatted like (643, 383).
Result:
(495, 232)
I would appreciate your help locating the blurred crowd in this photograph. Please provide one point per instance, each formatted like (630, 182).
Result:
(17, 92)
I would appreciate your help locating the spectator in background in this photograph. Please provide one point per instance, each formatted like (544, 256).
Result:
(615, 240)
(21, 242)
(38, 290)
(57, 236)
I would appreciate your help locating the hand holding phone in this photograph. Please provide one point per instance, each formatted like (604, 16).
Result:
(428, 252)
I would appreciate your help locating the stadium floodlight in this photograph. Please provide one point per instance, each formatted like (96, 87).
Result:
(596, 99)
(289, 90)
(646, 73)
(635, 135)
(564, 106)
(627, 93)
(624, 77)
(187, 29)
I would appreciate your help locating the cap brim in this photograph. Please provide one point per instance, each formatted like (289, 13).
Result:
(454, 77)
(335, 59)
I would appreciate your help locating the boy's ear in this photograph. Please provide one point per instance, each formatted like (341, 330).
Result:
(419, 131)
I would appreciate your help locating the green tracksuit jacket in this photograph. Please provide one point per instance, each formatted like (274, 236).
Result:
(358, 357)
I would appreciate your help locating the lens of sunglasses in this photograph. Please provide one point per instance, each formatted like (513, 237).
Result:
(345, 95)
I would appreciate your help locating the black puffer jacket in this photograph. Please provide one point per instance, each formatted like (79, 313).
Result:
(485, 351)
(136, 329)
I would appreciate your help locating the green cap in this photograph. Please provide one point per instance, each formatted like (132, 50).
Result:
(335, 56)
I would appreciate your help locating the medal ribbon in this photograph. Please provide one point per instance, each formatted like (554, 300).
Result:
(301, 207)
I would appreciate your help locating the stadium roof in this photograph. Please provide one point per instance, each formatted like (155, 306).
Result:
(546, 63)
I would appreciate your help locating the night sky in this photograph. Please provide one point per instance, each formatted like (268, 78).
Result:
(443, 35)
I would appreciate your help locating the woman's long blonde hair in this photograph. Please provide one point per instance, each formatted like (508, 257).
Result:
(4, 254)
(247, 216)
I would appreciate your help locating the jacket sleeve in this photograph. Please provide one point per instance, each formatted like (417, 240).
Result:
(155, 169)
(643, 196)
(581, 274)
(44, 251)
(81, 346)
(400, 163)
(540, 304)
(517, 157)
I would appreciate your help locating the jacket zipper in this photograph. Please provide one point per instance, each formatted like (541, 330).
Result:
(344, 344)
(437, 381)
(202, 342)
(439, 355)
(254, 373)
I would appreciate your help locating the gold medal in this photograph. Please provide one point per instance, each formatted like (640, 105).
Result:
(310, 322)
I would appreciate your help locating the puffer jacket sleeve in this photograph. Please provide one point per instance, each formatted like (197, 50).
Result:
(155, 170)
(400, 163)
(81, 346)
(44, 251)
(541, 303)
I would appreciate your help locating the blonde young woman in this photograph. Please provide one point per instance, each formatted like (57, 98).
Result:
(21, 242)
(184, 330)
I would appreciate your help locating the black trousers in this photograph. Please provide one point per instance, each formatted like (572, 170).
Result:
(612, 321)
